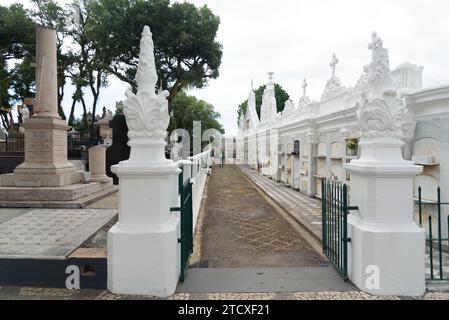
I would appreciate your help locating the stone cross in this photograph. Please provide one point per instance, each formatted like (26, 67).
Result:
(333, 64)
(304, 87)
(376, 43)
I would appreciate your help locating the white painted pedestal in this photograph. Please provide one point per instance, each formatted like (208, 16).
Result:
(387, 249)
(143, 245)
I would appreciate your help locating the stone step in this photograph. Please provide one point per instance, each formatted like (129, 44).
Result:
(264, 280)
(65, 193)
(73, 204)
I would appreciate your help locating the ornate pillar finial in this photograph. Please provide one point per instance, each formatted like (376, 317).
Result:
(146, 112)
(382, 113)
(270, 76)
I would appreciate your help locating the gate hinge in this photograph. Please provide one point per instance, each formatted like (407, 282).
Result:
(347, 240)
(175, 209)
(354, 208)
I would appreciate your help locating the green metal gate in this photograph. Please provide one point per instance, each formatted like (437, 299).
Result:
(186, 210)
(335, 210)
(437, 244)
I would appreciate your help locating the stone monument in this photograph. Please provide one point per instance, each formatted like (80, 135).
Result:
(143, 245)
(387, 249)
(47, 177)
(46, 163)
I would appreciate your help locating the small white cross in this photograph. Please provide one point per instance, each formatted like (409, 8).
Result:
(377, 42)
(304, 87)
(334, 63)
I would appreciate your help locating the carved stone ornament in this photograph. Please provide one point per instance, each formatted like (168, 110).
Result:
(303, 102)
(333, 88)
(362, 83)
(146, 112)
(289, 108)
(385, 117)
(383, 113)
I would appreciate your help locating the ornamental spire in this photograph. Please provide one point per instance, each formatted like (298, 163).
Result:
(146, 76)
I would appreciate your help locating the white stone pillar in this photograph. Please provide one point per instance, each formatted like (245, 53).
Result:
(97, 164)
(46, 73)
(387, 249)
(312, 139)
(143, 246)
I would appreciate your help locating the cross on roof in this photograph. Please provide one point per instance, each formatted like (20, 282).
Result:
(304, 87)
(377, 42)
(333, 64)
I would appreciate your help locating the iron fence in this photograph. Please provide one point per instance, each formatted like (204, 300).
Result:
(335, 211)
(13, 142)
(437, 242)
(186, 210)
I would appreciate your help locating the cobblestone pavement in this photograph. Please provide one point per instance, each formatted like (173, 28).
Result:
(27, 293)
(49, 233)
(308, 212)
(245, 231)
(303, 208)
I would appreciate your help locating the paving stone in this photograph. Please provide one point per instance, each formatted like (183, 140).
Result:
(50, 233)
(245, 231)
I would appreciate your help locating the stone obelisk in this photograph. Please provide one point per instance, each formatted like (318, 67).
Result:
(46, 163)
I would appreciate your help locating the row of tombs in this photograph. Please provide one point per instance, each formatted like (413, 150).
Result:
(302, 160)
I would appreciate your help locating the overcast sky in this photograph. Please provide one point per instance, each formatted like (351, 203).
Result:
(296, 39)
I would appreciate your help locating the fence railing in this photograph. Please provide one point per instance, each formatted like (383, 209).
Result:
(13, 142)
(191, 184)
(437, 242)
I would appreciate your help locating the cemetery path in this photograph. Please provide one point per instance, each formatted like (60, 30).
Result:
(243, 230)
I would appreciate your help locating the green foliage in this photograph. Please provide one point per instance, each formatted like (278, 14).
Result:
(187, 54)
(187, 109)
(17, 33)
(102, 39)
(80, 125)
(280, 94)
(17, 38)
(352, 144)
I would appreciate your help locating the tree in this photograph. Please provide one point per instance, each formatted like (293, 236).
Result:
(186, 52)
(281, 97)
(17, 42)
(187, 109)
(17, 33)
(92, 64)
